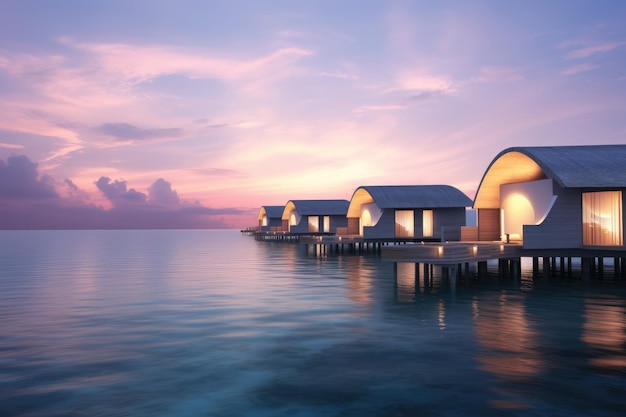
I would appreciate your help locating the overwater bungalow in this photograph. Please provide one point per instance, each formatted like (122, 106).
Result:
(270, 218)
(408, 212)
(555, 197)
(314, 216)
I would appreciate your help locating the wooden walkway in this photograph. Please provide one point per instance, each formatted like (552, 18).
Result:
(454, 257)
(451, 253)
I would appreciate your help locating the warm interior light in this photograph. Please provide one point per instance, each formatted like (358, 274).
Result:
(427, 223)
(369, 216)
(602, 218)
(405, 223)
(366, 219)
(517, 211)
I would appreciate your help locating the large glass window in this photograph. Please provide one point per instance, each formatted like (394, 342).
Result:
(427, 223)
(314, 224)
(602, 218)
(264, 220)
(326, 224)
(404, 223)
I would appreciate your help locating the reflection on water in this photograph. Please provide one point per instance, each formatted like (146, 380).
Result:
(210, 323)
(604, 330)
(359, 280)
(509, 345)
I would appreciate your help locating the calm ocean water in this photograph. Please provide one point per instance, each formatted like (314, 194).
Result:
(212, 323)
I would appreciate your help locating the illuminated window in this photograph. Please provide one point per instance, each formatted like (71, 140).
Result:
(264, 221)
(326, 224)
(427, 223)
(404, 223)
(602, 218)
(293, 220)
(314, 224)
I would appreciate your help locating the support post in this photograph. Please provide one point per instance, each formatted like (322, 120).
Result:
(546, 267)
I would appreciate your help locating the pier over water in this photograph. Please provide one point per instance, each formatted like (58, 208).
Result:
(461, 259)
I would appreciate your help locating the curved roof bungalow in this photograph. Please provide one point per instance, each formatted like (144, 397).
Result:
(408, 212)
(314, 216)
(555, 197)
(270, 218)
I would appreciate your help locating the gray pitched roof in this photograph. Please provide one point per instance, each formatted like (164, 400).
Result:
(417, 196)
(321, 207)
(274, 212)
(593, 166)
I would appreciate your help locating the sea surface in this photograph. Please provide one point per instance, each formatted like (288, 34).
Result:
(213, 323)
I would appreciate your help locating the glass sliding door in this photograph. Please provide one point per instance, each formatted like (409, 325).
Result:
(602, 218)
(326, 224)
(405, 223)
(427, 223)
(314, 224)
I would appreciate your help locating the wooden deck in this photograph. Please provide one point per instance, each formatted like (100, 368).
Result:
(450, 256)
(451, 253)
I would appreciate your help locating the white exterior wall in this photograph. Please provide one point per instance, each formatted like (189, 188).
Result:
(525, 203)
(370, 214)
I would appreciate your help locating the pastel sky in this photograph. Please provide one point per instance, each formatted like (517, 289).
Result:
(207, 110)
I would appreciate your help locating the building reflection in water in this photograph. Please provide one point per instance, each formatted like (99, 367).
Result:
(441, 315)
(359, 277)
(604, 331)
(508, 347)
(412, 280)
(406, 281)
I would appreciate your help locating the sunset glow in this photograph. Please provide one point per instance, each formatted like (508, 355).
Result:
(228, 106)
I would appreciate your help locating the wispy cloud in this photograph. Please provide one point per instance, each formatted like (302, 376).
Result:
(587, 66)
(141, 63)
(402, 102)
(411, 82)
(126, 131)
(589, 50)
(387, 107)
(339, 74)
(217, 172)
(499, 74)
(99, 82)
(11, 146)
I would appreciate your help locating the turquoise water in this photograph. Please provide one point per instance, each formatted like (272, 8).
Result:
(212, 323)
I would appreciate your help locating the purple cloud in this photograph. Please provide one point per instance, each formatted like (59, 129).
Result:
(422, 97)
(160, 192)
(19, 179)
(30, 202)
(117, 194)
(125, 131)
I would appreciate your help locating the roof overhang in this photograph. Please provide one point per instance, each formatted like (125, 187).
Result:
(361, 196)
(262, 213)
(507, 168)
(289, 207)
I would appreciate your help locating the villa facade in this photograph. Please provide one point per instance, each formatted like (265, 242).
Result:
(555, 197)
(270, 218)
(408, 212)
(314, 216)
